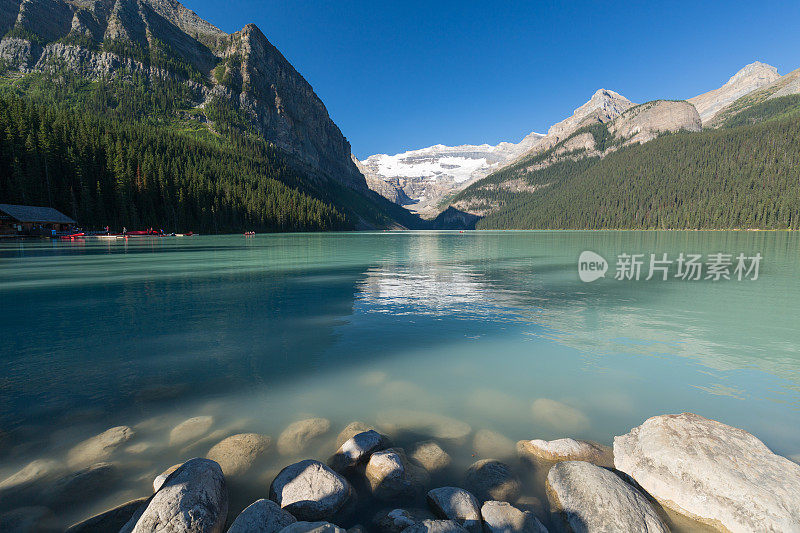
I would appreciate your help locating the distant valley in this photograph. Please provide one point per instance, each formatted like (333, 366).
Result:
(554, 181)
(421, 179)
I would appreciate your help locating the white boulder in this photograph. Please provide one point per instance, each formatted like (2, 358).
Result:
(713, 472)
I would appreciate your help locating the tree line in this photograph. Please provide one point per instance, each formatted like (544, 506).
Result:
(106, 169)
(737, 177)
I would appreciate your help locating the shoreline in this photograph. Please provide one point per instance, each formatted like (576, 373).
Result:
(7, 238)
(408, 464)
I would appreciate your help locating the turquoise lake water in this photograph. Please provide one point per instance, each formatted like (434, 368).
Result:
(494, 329)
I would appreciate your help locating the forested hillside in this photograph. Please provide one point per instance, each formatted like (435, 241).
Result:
(139, 113)
(110, 172)
(130, 151)
(745, 176)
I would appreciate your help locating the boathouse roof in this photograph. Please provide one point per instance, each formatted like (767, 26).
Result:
(29, 213)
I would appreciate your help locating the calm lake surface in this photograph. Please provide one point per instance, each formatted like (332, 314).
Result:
(494, 329)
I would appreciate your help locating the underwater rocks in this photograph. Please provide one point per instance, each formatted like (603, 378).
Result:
(396, 520)
(435, 526)
(100, 447)
(237, 453)
(190, 429)
(80, 486)
(431, 456)
(111, 520)
(492, 480)
(709, 472)
(489, 443)
(433, 425)
(297, 436)
(312, 527)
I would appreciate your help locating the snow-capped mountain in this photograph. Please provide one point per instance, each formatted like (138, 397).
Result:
(429, 175)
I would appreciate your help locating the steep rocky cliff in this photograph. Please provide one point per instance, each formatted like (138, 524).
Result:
(102, 39)
(748, 79)
(786, 85)
(603, 107)
(645, 122)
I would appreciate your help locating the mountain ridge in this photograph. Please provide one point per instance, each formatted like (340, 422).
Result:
(748, 79)
(156, 65)
(656, 164)
(106, 38)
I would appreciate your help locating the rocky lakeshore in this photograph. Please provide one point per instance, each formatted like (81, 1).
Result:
(673, 472)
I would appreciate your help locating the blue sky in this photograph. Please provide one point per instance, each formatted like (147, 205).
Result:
(403, 75)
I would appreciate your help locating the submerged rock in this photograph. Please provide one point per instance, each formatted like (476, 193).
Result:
(100, 447)
(502, 517)
(357, 450)
(457, 505)
(396, 520)
(488, 479)
(139, 448)
(566, 450)
(313, 527)
(16, 485)
(559, 416)
(190, 429)
(262, 516)
(351, 430)
(311, 491)
(533, 505)
(431, 425)
(435, 526)
(431, 456)
(111, 520)
(81, 485)
(29, 519)
(373, 378)
(589, 498)
(488, 443)
(193, 499)
(236, 454)
(295, 438)
(713, 472)
(198, 447)
(392, 476)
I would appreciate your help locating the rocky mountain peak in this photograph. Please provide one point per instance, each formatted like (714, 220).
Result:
(748, 79)
(755, 71)
(182, 17)
(243, 68)
(604, 105)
